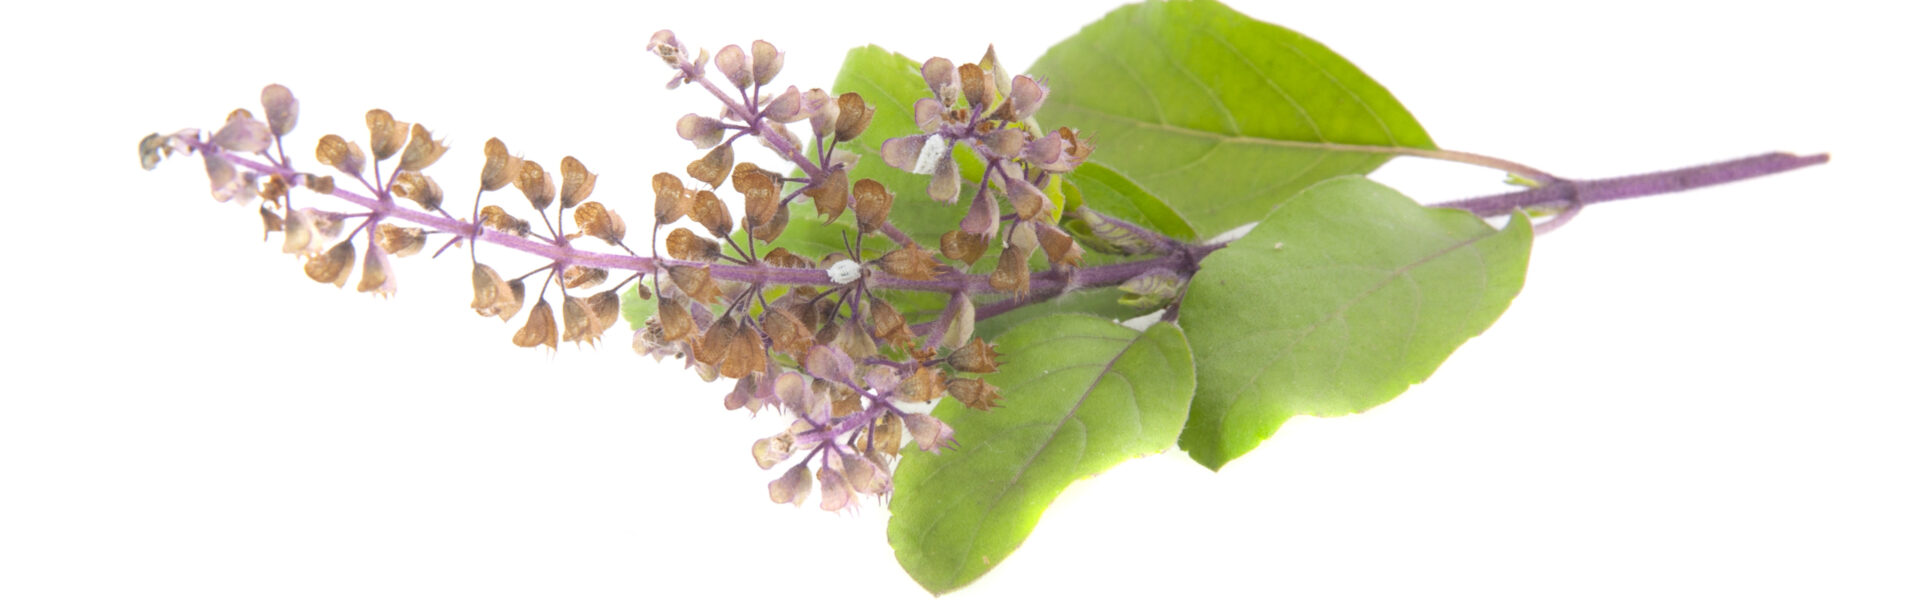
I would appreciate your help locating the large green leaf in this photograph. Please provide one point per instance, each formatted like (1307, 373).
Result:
(1115, 195)
(1341, 298)
(1084, 395)
(1217, 113)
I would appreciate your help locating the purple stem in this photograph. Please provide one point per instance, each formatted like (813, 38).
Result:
(1573, 193)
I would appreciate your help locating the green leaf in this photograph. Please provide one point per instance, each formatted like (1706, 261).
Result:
(1341, 298)
(636, 310)
(1115, 195)
(1217, 113)
(1084, 395)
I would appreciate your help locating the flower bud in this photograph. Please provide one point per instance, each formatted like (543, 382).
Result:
(704, 132)
(387, 136)
(710, 212)
(669, 199)
(1026, 98)
(1151, 290)
(1002, 76)
(766, 62)
(942, 79)
(835, 494)
(871, 203)
(243, 135)
(601, 222)
(713, 167)
(500, 169)
(422, 150)
(283, 110)
(823, 111)
(855, 113)
(733, 64)
(576, 183)
(540, 329)
(791, 488)
(930, 433)
(533, 183)
(334, 267)
(976, 394)
(337, 152)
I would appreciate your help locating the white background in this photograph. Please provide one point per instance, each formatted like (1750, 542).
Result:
(1696, 395)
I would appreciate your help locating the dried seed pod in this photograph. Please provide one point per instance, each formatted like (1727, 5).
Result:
(335, 151)
(696, 282)
(922, 386)
(597, 220)
(421, 189)
(712, 168)
(762, 194)
(780, 257)
(930, 433)
(270, 222)
(322, 185)
(422, 150)
(540, 329)
(973, 85)
(399, 241)
(683, 244)
(710, 212)
(975, 357)
(772, 229)
(962, 246)
(734, 65)
(387, 136)
(274, 189)
(1028, 201)
(533, 183)
(974, 393)
(830, 197)
(576, 183)
(835, 492)
(492, 295)
(944, 187)
(770, 451)
(823, 111)
(1011, 275)
(745, 354)
(788, 333)
(1060, 247)
(717, 342)
(845, 400)
(1021, 236)
(376, 273)
(904, 152)
(886, 434)
(494, 217)
(855, 114)
(704, 132)
(871, 204)
(308, 232)
(910, 262)
(888, 325)
(283, 110)
(676, 323)
(767, 62)
(576, 277)
(983, 215)
(785, 108)
(578, 321)
(500, 169)
(855, 342)
(153, 148)
(334, 267)
(669, 199)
